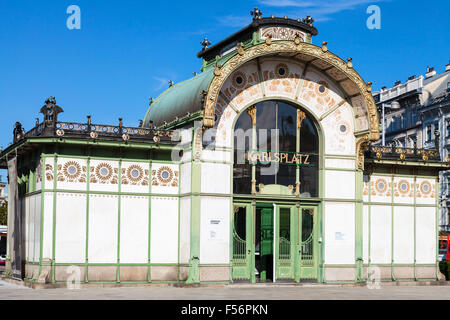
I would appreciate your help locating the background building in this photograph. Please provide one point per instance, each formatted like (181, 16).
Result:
(421, 116)
(3, 195)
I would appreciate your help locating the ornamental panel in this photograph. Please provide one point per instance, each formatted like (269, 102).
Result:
(135, 177)
(104, 175)
(165, 178)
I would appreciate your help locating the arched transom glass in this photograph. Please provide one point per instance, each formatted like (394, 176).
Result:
(276, 147)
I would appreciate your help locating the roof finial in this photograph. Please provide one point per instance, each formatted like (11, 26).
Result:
(308, 20)
(205, 43)
(256, 14)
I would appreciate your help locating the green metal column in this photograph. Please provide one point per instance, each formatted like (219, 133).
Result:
(359, 226)
(194, 261)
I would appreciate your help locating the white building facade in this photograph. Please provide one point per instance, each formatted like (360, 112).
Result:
(258, 169)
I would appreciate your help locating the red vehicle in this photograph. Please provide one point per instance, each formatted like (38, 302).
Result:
(444, 242)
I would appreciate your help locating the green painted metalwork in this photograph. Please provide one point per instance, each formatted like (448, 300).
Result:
(179, 99)
(242, 243)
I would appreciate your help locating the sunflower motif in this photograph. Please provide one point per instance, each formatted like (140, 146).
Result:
(381, 185)
(104, 171)
(72, 170)
(404, 187)
(135, 173)
(425, 187)
(165, 174)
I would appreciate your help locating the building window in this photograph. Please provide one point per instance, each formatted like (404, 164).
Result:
(448, 128)
(284, 150)
(428, 133)
(448, 86)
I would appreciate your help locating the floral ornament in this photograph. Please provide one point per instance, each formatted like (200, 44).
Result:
(104, 172)
(135, 173)
(71, 170)
(404, 187)
(381, 186)
(426, 188)
(165, 174)
(49, 172)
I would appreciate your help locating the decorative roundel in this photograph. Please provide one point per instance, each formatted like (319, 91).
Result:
(72, 170)
(239, 79)
(282, 70)
(381, 185)
(322, 88)
(425, 187)
(404, 187)
(165, 174)
(135, 173)
(104, 171)
(343, 128)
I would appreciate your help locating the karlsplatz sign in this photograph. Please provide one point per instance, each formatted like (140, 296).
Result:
(301, 159)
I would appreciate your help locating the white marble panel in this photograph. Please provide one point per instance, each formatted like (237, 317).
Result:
(70, 235)
(164, 230)
(339, 233)
(134, 229)
(339, 184)
(426, 235)
(215, 230)
(103, 228)
(380, 234)
(404, 235)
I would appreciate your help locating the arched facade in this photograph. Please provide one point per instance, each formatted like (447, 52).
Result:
(170, 201)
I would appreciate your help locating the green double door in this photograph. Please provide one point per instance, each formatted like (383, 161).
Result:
(274, 242)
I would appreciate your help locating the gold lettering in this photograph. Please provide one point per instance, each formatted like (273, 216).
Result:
(283, 157)
(294, 159)
(306, 160)
(264, 157)
(277, 156)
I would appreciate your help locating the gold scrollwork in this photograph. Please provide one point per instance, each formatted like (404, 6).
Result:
(270, 47)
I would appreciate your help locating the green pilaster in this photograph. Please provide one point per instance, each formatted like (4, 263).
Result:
(149, 220)
(88, 183)
(119, 209)
(359, 226)
(194, 261)
(55, 186)
(392, 227)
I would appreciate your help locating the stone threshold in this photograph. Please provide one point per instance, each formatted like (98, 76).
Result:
(34, 285)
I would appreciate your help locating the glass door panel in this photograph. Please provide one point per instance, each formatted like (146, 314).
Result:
(241, 242)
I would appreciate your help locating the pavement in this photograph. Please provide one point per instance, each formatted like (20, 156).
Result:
(12, 291)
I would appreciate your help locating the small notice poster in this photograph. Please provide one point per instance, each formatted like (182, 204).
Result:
(215, 229)
(339, 236)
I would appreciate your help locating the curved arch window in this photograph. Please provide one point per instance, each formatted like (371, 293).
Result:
(275, 143)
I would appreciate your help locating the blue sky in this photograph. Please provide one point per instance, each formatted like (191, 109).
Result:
(127, 51)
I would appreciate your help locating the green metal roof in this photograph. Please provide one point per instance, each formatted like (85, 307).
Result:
(180, 99)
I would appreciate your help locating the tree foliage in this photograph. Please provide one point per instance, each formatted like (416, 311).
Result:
(4, 213)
